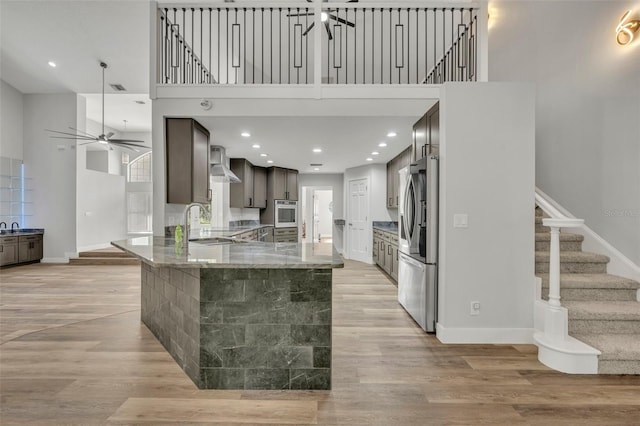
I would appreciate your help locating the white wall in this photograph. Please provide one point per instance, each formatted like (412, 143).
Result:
(11, 121)
(336, 182)
(101, 215)
(325, 222)
(487, 173)
(52, 165)
(587, 107)
(98, 161)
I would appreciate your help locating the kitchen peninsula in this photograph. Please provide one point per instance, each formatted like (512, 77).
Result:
(238, 314)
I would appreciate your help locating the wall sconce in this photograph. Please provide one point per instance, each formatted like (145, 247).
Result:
(626, 29)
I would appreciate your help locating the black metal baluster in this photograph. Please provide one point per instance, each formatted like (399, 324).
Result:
(288, 45)
(219, 76)
(226, 30)
(280, 45)
(253, 46)
(381, 45)
(295, 44)
(201, 55)
(271, 47)
(262, 45)
(244, 45)
(306, 47)
(390, 39)
(346, 47)
(364, 45)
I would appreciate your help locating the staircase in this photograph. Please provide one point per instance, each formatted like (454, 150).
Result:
(603, 309)
(107, 256)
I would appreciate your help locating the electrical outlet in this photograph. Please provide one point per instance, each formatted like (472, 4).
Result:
(475, 308)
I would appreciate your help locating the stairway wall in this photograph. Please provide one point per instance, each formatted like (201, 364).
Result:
(587, 107)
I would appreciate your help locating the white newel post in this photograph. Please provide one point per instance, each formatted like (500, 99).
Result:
(556, 322)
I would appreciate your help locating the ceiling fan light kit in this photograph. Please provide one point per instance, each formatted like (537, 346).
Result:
(104, 139)
(325, 16)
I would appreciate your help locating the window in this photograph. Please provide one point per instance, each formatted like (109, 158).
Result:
(139, 170)
(139, 207)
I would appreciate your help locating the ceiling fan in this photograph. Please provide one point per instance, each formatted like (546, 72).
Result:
(325, 17)
(104, 139)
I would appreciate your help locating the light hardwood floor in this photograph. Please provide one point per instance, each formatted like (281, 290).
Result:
(75, 352)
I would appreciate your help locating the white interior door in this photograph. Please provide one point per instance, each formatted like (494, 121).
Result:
(358, 220)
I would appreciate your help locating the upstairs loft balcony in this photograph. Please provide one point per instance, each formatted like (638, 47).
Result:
(315, 49)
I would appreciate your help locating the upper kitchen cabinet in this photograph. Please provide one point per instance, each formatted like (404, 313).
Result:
(426, 134)
(259, 187)
(283, 183)
(187, 161)
(399, 162)
(252, 190)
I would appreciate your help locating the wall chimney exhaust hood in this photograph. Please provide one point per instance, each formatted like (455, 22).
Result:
(219, 170)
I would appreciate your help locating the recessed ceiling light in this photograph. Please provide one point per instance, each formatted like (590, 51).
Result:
(256, 146)
(245, 134)
(375, 153)
(392, 134)
(316, 168)
(270, 161)
(382, 144)
(369, 159)
(263, 155)
(317, 150)
(52, 64)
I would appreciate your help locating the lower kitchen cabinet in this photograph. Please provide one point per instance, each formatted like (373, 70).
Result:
(285, 235)
(8, 250)
(20, 249)
(385, 251)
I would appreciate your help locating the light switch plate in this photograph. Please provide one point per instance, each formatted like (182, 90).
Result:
(460, 221)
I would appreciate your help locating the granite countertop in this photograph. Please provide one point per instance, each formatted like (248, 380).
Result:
(24, 231)
(225, 232)
(386, 226)
(161, 251)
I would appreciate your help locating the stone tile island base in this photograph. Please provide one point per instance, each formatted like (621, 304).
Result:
(242, 328)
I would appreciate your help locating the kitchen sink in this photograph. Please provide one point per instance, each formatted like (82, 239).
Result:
(215, 241)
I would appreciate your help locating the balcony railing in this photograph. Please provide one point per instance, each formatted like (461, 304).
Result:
(235, 44)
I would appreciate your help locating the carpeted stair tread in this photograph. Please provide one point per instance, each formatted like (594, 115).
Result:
(613, 346)
(564, 236)
(574, 257)
(604, 281)
(607, 310)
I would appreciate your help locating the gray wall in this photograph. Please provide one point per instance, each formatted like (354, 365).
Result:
(587, 107)
(52, 165)
(487, 173)
(11, 122)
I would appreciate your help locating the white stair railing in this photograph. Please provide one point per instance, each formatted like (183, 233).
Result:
(555, 221)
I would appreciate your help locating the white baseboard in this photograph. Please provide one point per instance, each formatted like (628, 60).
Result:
(54, 260)
(484, 335)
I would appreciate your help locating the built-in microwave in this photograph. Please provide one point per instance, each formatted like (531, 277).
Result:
(286, 213)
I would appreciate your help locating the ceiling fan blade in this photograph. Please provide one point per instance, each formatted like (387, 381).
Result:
(73, 138)
(82, 131)
(87, 143)
(326, 25)
(309, 28)
(342, 21)
(352, 1)
(126, 146)
(108, 135)
(129, 141)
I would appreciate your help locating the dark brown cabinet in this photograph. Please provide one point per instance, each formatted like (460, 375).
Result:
(285, 183)
(187, 161)
(252, 190)
(259, 187)
(393, 178)
(241, 194)
(385, 251)
(426, 133)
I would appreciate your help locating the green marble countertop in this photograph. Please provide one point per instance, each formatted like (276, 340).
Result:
(161, 251)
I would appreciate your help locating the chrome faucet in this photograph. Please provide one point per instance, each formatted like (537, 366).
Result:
(186, 219)
(16, 224)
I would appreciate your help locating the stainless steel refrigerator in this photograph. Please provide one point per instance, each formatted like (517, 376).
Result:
(418, 247)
